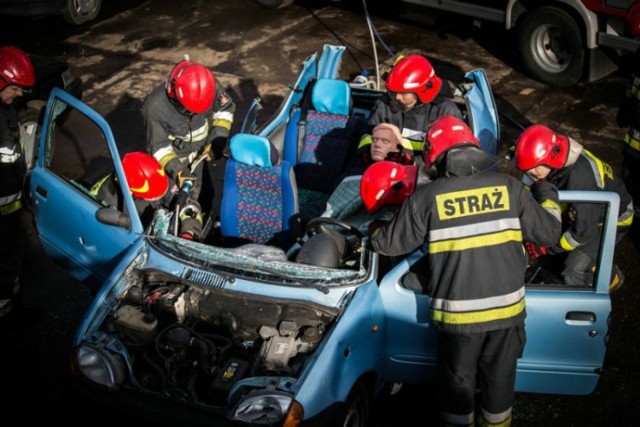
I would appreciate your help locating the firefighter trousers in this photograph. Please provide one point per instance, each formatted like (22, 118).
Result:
(484, 361)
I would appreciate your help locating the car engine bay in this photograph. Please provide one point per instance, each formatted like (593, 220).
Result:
(195, 343)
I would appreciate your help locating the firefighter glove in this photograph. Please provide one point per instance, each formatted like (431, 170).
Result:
(535, 251)
(402, 156)
(218, 147)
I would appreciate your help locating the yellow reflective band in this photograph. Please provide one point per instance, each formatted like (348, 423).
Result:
(143, 189)
(625, 222)
(478, 316)
(632, 142)
(472, 202)
(553, 208)
(226, 124)
(96, 187)
(476, 241)
(564, 243)
(167, 158)
(11, 207)
(365, 140)
(417, 145)
(603, 168)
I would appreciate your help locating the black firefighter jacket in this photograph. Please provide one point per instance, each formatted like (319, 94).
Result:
(175, 137)
(473, 222)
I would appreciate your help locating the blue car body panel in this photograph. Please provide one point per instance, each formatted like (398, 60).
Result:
(64, 216)
(379, 332)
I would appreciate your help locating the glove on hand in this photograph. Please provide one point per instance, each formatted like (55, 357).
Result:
(402, 156)
(542, 190)
(217, 147)
(190, 228)
(535, 251)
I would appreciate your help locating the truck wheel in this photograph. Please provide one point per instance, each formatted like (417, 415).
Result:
(358, 407)
(551, 47)
(274, 4)
(78, 12)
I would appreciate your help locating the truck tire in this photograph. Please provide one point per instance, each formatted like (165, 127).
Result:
(78, 12)
(274, 4)
(551, 47)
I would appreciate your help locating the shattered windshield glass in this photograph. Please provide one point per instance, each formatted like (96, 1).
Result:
(251, 260)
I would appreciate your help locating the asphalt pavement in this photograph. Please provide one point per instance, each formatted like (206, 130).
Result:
(256, 52)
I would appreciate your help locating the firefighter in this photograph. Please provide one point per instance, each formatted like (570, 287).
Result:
(17, 75)
(545, 155)
(415, 98)
(473, 222)
(629, 117)
(149, 186)
(188, 119)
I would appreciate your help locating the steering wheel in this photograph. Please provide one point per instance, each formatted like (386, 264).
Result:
(353, 237)
(317, 225)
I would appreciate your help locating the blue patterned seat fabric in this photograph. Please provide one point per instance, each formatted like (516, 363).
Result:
(320, 139)
(259, 201)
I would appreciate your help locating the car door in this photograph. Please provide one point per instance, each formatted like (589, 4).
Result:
(77, 151)
(566, 327)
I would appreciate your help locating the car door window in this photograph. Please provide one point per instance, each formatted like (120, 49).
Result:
(547, 270)
(77, 150)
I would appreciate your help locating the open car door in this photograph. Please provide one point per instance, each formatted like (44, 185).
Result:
(77, 151)
(566, 326)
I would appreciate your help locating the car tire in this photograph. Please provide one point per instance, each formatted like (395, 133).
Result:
(551, 47)
(357, 408)
(30, 119)
(274, 4)
(78, 12)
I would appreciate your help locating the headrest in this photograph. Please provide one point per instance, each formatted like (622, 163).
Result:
(331, 96)
(253, 150)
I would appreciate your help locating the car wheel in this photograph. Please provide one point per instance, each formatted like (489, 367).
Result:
(358, 407)
(30, 127)
(551, 47)
(78, 12)
(274, 4)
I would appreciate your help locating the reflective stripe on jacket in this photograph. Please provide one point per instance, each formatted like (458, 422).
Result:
(589, 173)
(12, 166)
(473, 227)
(413, 124)
(174, 133)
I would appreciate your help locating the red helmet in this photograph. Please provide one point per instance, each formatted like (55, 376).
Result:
(414, 73)
(385, 183)
(445, 133)
(192, 85)
(15, 68)
(146, 178)
(539, 145)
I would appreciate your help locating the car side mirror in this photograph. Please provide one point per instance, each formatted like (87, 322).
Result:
(114, 217)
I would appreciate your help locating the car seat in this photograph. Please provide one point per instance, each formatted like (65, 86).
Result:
(259, 201)
(320, 138)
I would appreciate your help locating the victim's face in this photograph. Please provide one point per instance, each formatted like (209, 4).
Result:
(383, 141)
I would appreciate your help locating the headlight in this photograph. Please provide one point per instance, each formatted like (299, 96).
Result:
(262, 407)
(100, 366)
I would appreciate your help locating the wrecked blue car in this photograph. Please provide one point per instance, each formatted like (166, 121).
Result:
(245, 334)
